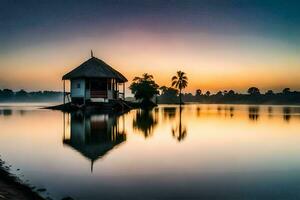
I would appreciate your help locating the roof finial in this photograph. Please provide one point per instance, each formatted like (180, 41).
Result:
(92, 165)
(92, 55)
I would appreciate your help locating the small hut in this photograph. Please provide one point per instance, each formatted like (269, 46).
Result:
(94, 81)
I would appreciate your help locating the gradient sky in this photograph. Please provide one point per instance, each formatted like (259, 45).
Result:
(219, 44)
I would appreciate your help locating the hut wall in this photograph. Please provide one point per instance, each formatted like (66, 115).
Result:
(77, 129)
(88, 94)
(109, 94)
(77, 88)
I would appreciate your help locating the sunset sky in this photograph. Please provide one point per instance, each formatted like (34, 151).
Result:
(221, 45)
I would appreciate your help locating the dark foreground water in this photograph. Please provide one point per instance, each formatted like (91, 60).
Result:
(197, 152)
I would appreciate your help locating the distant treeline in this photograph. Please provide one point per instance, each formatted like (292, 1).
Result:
(253, 96)
(7, 95)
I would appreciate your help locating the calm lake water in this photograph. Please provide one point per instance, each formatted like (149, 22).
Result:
(197, 152)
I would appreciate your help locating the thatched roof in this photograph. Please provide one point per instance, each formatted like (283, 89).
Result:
(94, 151)
(94, 68)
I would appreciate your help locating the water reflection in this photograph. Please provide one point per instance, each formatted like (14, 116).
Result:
(198, 110)
(286, 113)
(145, 121)
(179, 132)
(219, 151)
(169, 112)
(270, 111)
(6, 112)
(253, 113)
(93, 136)
(22, 112)
(231, 111)
(9, 111)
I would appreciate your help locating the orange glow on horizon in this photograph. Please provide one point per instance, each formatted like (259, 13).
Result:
(211, 62)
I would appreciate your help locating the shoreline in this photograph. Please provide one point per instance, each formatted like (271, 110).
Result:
(12, 188)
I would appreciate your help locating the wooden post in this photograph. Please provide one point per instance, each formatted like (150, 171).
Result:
(107, 99)
(117, 91)
(84, 90)
(124, 91)
(64, 92)
(64, 131)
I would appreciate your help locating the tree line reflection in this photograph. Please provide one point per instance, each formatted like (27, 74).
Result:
(8, 112)
(287, 113)
(254, 112)
(95, 135)
(146, 120)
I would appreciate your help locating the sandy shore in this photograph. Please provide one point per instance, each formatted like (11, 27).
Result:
(11, 188)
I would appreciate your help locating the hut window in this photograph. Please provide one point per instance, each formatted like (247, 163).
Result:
(78, 85)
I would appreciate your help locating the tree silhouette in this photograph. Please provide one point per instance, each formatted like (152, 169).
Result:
(21, 93)
(168, 95)
(286, 96)
(231, 93)
(253, 91)
(144, 88)
(286, 91)
(269, 92)
(198, 92)
(163, 89)
(180, 81)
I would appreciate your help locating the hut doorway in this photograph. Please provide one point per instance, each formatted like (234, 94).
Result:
(98, 88)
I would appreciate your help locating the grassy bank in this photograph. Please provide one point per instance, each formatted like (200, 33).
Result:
(12, 188)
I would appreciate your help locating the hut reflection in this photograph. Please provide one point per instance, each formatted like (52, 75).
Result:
(93, 136)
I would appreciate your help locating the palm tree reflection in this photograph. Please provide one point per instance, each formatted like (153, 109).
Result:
(180, 131)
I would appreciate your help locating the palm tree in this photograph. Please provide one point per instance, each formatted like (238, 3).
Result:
(180, 81)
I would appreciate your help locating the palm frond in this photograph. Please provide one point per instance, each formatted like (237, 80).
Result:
(136, 78)
(174, 83)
